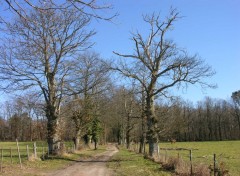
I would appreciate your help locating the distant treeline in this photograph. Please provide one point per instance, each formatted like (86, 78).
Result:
(210, 120)
(122, 120)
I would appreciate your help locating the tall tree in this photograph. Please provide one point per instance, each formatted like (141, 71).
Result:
(96, 131)
(132, 115)
(166, 66)
(37, 55)
(143, 122)
(236, 100)
(88, 81)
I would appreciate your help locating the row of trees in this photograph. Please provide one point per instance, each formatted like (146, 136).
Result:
(118, 118)
(41, 52)
(211, 119)
(23, 119)
(207, 120)
(44, 51)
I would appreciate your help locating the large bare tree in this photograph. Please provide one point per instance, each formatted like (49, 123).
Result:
(92, 8)
(37, 55)
(164, 66)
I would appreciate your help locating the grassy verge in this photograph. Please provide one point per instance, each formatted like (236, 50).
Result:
(37, 167)
(227, 152)
(227, 155)
(126, 163)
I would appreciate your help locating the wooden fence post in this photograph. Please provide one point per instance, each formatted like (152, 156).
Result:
(35, 150)
(11, 154)
(27, 153)
(1, 159)
(19, 155)
(190, 156)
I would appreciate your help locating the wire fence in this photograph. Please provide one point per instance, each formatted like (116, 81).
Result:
(185, 161)
(18, 154)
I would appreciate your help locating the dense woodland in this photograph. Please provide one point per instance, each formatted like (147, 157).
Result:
(66, 91)
(120, 118)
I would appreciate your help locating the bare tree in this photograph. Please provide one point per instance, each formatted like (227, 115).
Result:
(88, 80)
(166, 66)
(143, 122)
(128, 108)
(37, 55)
(91, 8)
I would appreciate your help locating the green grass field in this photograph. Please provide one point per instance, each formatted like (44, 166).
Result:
(227, 152)
(227, 155)
(126, 163)
(10, 148)
(30, 168)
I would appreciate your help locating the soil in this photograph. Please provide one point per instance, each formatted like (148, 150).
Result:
(94, 166)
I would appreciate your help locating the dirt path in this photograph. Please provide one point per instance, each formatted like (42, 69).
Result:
(95, 166)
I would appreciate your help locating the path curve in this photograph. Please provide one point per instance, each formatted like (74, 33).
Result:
(95, 166)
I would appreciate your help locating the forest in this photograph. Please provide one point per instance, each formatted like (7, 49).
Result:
(119, 114)
(62, 90)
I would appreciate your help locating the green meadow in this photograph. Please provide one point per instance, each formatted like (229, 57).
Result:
(227, 157)
(10, 148)
(227, 153)
(125, 163)
(30, 168)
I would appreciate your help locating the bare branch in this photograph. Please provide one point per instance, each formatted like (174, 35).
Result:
(90, 8)
(163, 65)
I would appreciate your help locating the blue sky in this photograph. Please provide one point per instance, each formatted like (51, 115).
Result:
(210, 28)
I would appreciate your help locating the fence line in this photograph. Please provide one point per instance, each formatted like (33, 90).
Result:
(214, 169)
(28, 153)
(18, 153)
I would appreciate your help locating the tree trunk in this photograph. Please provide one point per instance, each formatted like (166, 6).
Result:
(143, 135)
(219, 128)
(142, 144)
(105, 134)
(31, 130)
(128, 139)
(53, 136)
(143, 130)
(89, 140)
(152, 127)
(119, 135)
(128, 132)
(95, 145)
(77, 138)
